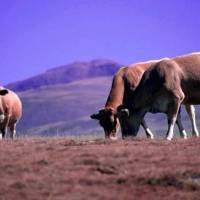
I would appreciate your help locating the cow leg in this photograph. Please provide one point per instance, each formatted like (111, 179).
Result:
(191, 112)
(1, 135)
(4, 132)
(4, 128)
(182, 131)
(173, 109)
(171, 123)
(124, 130)
(147, 130)
(13, 131)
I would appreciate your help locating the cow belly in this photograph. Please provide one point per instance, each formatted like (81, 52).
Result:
(192, 97)
(160, 105)
(191, 100)
(191, 89)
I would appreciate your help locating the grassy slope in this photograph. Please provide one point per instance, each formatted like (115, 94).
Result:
(63, 109)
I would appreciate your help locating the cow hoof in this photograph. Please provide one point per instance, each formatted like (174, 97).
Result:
(169, 138)
(195, 134)
(113, 137)
(151, 137)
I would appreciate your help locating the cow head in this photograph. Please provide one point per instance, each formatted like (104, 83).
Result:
(3, 92)
(108, 120)
(129, 121)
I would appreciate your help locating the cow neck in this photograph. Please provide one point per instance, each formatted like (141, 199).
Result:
(1, 106)
(116, 94)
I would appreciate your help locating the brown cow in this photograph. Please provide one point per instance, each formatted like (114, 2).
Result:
(124, 84)
(10, 111)
(164, 86)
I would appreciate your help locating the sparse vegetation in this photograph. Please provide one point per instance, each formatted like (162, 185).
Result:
(66, 168)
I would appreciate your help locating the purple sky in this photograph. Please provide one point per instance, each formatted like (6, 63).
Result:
(36, 35)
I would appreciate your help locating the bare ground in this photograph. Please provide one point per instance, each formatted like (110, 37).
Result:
(39, 169)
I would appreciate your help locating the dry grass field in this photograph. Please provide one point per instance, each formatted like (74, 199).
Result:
(62, 168)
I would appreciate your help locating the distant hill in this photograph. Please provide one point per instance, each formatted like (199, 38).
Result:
(63, 109)
(67, 74)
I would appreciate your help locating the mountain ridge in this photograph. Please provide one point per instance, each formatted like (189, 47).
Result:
(67, 73)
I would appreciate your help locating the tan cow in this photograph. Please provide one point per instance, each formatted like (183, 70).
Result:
(10, 111)
(124, 83)
(163, 88)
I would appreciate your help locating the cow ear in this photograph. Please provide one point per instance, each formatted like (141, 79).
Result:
(122, 112)
(3, 92)
(95, 116)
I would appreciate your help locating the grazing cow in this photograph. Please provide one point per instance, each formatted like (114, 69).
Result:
(124, 83)
(163, 88)
(10, 111)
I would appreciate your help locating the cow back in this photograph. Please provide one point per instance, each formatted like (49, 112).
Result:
(11, 106)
